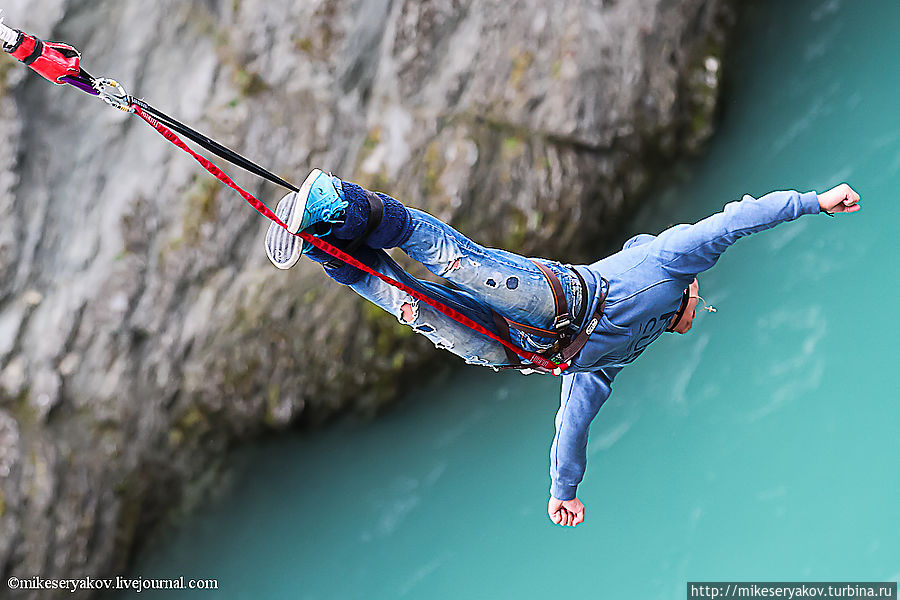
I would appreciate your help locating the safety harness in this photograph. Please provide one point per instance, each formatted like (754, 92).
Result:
(569, 337)
(60, 64)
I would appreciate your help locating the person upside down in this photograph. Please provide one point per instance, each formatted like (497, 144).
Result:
(598, 317)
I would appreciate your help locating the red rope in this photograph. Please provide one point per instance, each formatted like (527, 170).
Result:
(457, 316)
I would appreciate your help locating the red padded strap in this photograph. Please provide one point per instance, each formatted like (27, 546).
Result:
(50, 60)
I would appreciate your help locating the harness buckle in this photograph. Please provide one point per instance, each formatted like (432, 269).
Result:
(562, 321)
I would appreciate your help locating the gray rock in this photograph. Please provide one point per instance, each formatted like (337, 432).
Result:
(143, 332)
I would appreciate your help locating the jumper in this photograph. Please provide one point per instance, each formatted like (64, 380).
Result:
(646, 281)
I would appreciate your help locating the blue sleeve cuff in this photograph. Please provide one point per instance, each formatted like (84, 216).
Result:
(562, 491)
(809, 203)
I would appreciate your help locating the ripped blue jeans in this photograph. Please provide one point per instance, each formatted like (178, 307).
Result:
(482, 279)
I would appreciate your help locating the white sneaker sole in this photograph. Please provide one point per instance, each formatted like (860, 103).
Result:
(282, 247)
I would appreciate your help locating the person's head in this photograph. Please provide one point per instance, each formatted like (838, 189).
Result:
(684, 318)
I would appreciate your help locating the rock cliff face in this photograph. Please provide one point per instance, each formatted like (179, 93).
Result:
(142, 330)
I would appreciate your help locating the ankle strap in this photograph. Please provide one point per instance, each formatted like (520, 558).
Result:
(376, 213)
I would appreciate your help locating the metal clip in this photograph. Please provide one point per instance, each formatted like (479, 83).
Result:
(112, 92)
(562, 321)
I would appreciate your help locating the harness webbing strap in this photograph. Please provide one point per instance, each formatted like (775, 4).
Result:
(563, 318)
(211, 145)
(457, 316)
(502, 326)
(568, 345)
(376, 214)
(533, 330)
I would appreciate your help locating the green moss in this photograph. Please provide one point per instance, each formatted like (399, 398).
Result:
(172, 245)
(699, 121)
(373, 139)
(130, 512)
(200, 206)
(21, 409)
(39, 468)
(272, 398)
(387, 331)
(191, 418)
(556, 69)
(2, 504)
(243, 378)
(377, 181)
(434, 166)
(249, 83)
(304, 45)
(121, 487)
(518, 228)
(522, 61)
(513, 146)
(5, 66)
(702, 96)
(176, 436)
(373, 181)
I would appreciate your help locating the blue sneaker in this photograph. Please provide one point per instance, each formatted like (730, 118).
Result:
(319, 204)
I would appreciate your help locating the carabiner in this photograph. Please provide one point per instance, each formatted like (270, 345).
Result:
(113, 93)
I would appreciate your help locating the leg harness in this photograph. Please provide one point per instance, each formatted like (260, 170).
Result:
(569, 341)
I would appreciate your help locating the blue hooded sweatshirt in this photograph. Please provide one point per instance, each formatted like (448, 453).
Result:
(646, 281)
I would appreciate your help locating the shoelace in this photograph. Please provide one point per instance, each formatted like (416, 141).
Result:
(329, 213)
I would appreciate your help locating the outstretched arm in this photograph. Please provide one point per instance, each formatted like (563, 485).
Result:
(582, 396)
(685, 250)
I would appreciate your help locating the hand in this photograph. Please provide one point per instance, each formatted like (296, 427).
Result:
(567, 513)
(839, 199)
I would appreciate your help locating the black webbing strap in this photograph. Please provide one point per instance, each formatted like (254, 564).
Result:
(212, 145)
(376, 214)
(36, 53)
(579, 318)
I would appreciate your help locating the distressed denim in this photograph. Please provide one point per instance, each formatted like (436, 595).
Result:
(482, 279)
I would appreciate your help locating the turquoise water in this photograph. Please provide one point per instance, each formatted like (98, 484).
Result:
(764, 445)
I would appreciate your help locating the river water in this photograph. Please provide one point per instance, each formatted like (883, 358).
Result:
(762, 446)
